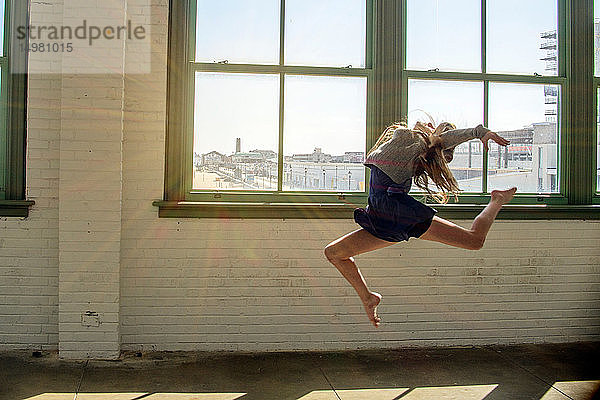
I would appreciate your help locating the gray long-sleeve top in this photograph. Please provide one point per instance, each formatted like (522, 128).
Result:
(397, 155)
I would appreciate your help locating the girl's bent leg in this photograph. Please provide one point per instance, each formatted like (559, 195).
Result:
(446, 232)
(340, 252)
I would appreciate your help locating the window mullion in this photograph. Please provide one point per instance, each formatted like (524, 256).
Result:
(563, 37)
(486, 86)
(483, 36)
(580, 135)
(281, 95)
(192, 31)
(4, 166)
(189, 93)
(470, 76)
(3, 114)
(370, 22)
(281, 117)
(403, 73)
(486, 92)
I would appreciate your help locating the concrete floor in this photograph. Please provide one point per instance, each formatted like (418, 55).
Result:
(532, 372)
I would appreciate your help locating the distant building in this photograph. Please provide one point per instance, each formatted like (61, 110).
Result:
(349, 157)
(213, 158)
(545, 156)
(238, 145)
(267, 154)
(519, 149)
(245, 158)
(550, 45)
(533, 155)
(258, 169)
(317, 156)
(551, 93)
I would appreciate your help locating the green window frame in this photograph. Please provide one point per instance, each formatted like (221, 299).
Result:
(596, 172)
(3, 153)
(596, 83)
(386, 60)
(13, 99)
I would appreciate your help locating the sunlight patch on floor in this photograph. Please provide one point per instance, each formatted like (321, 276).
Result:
(320, 395)
(471, 392)
(140, 396)
(580, 390)
(371, 394)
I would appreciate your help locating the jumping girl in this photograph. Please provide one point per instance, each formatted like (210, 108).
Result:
(392, 215)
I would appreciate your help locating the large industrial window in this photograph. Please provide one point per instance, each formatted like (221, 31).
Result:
(272, 105)
(498, 63)
(13, 88)
(275, 101)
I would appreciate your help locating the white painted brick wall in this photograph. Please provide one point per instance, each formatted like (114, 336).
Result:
(29, 247)
(265, 285)
(208, 284)
(90, 187)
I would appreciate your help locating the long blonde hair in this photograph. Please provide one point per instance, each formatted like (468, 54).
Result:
(433, 165)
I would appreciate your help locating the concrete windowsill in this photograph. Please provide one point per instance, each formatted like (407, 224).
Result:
(15, 208)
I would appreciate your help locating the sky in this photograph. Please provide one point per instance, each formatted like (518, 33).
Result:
(330, 112)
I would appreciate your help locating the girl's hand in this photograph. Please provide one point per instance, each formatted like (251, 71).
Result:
(495, 137)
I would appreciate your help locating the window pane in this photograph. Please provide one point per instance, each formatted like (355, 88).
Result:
(325, 33)
(460, 103)
(526, 115)
(324, 133)
(444, 35)
(238, 31)
(236, 130)
(522, 37)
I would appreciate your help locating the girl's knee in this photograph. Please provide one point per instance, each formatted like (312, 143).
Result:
(329, 252)
(333, 252)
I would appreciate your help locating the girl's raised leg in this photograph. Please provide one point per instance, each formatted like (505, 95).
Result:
(340, 252)
(444, 231)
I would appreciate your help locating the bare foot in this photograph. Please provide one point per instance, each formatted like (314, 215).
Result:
(503, 196)
(371, 308)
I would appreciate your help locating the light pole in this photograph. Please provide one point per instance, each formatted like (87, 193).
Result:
(336, 185)
(349, 178)
(305, 169)
(324, 183)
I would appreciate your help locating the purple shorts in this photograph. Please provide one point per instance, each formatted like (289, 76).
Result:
(394, 217)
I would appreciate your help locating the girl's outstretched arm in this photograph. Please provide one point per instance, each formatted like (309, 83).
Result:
(454, 137)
